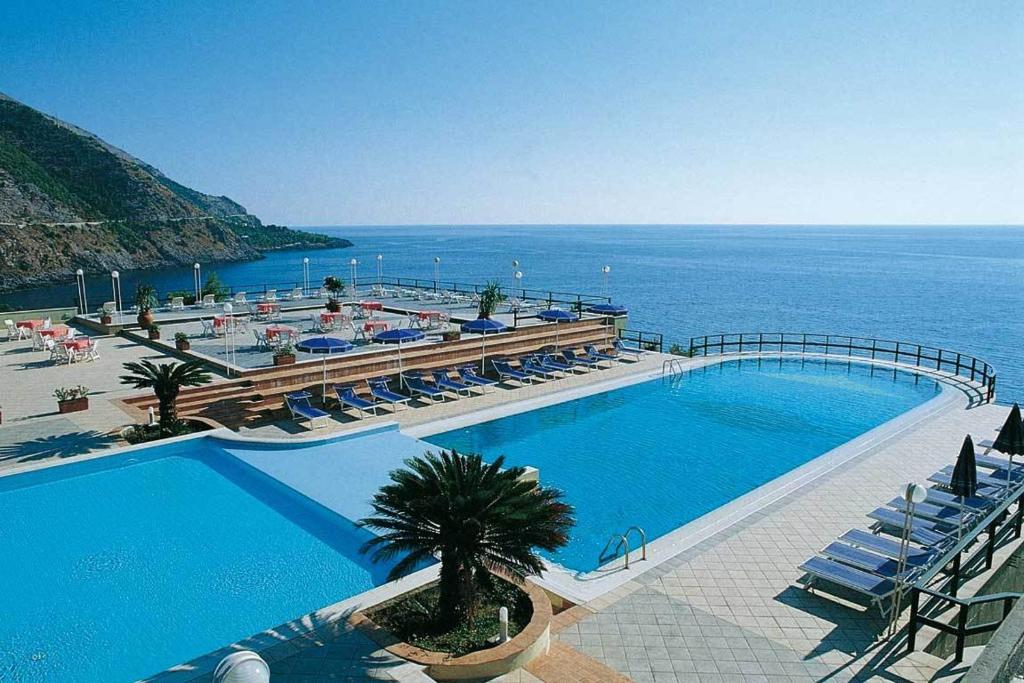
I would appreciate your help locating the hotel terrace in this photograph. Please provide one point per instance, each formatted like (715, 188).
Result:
(690, 561)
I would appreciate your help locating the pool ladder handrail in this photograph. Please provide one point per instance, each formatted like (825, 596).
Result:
(671, 367)
(623, 540)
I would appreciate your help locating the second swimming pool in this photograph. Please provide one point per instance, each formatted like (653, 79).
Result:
(662, 453)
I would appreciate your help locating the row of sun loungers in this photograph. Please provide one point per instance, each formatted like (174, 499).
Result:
(865, 562)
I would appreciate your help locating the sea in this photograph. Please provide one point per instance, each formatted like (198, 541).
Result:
(956, 287)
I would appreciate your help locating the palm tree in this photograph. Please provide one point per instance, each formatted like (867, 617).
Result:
(478, 517)
(166, 380)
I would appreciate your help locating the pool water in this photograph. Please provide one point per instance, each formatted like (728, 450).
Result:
(118, 569)
(661, 453)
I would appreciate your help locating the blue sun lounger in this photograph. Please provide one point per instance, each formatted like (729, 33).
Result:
(624, 350)
(506, 371)
(418, 387)
(882, 545)
(935, 512)
(300, 408)
(922, 531)
(595, 355)
(876, 588)
(988, 485)
(551, 362)
(973, 503)
(867, 561)
(572, 359)
(470, 377)
(443, 381)
(379, 388)
(533, 366)
(347, 398)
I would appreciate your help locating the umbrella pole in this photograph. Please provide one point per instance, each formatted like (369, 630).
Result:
(1009, 471)
(401, 378)
(483, 353)
(323, 387)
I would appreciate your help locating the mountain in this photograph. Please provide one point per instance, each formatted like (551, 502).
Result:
(69, 200)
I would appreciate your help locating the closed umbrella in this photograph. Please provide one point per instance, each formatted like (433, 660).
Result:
(325, 346)
(608, 309)
(1011, 440)
(483, 327)
(399, 336)
(556, 316)
(964, 482)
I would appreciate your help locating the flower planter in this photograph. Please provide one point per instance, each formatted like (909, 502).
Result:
(154, 334)
(452, 335)
(145, 319)
(106, 320)
(182, 345)
(284, 360)
(530, 643)
(73, 405)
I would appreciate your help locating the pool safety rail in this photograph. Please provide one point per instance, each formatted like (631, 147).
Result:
(933, 596)
(931, 358)
(621, 542)
(648, 341)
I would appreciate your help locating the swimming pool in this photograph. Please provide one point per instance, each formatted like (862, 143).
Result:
(662, 453)
(118, 568)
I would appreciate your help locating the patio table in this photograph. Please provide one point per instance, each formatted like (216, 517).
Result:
(79, 344)
(274, 331)
(55, 331)
(31, 324)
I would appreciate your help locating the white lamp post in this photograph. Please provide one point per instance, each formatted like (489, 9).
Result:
(437, 271)
(242, 667)
(229, 340)
(197, 277)
(604, 271)
(515, 267)
(305, 276)
(352, 265)
(115, 284)
(380, 270)
(913, 494)
(83, 300)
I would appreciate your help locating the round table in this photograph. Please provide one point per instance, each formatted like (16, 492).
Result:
(80, 344)
(55, 331)
(274, 331)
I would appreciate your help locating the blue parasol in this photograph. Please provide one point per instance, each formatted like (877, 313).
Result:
(325, 346)
(556, 316)
(399, 336)
(608, 309)
(483, 327)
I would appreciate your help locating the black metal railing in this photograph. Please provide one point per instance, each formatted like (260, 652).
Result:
(934, 594)
(900, 352)
(649, 341)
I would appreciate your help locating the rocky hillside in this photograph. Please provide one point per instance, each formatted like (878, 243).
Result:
(69, 200)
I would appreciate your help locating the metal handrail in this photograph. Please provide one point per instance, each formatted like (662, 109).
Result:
(643, 540)
(899, 352)
(650, 341)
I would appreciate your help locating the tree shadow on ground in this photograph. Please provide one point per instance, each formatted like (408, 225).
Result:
(55, 446)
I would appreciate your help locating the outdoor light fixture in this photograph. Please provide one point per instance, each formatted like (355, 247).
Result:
(198, 278)
(242, 667)
(305, 275)
(83, 300)
(380, 270)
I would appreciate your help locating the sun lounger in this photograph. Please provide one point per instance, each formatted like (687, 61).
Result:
(442, 380)
(922, 531)
(419, 387)
(506, 372)
(889, 547)
(866, 560)
(623, 350)
(936, 512)
(532, 366)
(470, 377)
(379, 388)
(298, 405)
(177, 303)
(553, 363)
(987, 484)
(597, 356)
(875, 588)
(209, 301)
(347, 398)
(572, 359)
(973, 503)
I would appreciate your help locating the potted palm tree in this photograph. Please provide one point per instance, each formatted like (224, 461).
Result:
(72, 399)
(284, 355)
(490, 297)
(145, 301)
(154, 331)
(166, 381)
(478, 518)
(334, 286)
(181, 341)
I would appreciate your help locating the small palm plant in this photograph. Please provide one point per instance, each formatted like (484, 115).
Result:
(476, 516)
(490, 297)
(166, 381)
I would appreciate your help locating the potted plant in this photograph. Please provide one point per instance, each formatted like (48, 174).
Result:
(451, 335)
(284, 355)
(334, 287)
(490, 297)
(166, 381)
(154, 331)
(181, 341)
(72, 399)
(105, 317)
(145, 301)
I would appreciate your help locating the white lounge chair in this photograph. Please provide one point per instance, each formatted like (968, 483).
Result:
(93, 352)
(262, 343)
(240, 298)
(177, 303)
(209, 301)
(16, 333)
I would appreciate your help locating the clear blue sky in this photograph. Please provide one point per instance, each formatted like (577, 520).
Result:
(576, 112)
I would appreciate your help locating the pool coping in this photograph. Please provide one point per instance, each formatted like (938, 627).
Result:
(582, 587)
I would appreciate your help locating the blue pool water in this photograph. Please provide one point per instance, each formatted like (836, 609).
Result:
(662, 453)
(115, 570)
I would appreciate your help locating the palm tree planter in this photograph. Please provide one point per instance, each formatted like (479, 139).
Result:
(531, 642)
(145, 301)
(153, 331)
(181, 341)
(166, 381)
(475, 517)
(72, 399)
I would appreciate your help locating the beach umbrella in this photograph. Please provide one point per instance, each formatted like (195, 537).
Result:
(608, 309)
(964, 482)
(325, 346)
(399, 336)
(557, 316)
(1011, 440)
(483, 327)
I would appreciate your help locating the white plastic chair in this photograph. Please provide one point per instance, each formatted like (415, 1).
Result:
(209, 301)
(178, 303)
(93, 352)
